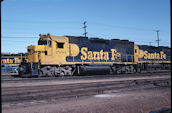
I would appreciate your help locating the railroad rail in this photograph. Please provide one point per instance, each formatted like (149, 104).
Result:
(53, 92)
(14, 77)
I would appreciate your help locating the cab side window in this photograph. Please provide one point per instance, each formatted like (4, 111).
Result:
(60, 45)
(49, 43)
(135, 50)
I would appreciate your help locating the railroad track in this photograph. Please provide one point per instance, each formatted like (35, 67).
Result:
(144, 73)
(75, 90)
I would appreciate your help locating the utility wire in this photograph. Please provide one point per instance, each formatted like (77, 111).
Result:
(18, 37)
(93, 23)
(24, 21)
(5, 41)
(124, 27)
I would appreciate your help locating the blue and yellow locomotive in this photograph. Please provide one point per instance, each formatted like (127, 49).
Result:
(69, 55)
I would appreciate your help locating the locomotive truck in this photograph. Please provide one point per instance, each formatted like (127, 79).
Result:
(71, 55)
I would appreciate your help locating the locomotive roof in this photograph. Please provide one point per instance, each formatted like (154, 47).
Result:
(148, 46)
(76, 39)
(73, 39)
(59, 38)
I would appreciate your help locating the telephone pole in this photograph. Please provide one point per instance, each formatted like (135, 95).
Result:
(158, 37)
(85, 28)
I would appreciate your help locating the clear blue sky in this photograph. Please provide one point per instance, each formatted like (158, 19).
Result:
(135, 20)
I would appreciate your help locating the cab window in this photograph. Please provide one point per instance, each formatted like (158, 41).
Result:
(49, 43)
(60, 45)
(135, 50)
(28, 50)
(42, 43)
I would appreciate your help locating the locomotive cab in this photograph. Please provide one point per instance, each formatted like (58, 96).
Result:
(51, 50)
(35, 52)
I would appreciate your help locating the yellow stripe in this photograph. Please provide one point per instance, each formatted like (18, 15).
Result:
(111, 63)
(154, 61)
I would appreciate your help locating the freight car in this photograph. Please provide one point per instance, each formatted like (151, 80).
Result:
(69, 55)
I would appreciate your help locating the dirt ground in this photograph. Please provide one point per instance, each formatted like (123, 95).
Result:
(75, 81)
(138, 101)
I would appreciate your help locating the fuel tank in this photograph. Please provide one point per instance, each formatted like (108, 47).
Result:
(95, 69)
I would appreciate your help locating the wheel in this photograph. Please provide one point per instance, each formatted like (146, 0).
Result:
(118, 71)
(40, 73)
(21, 73)
(138, 70)
(62, 74)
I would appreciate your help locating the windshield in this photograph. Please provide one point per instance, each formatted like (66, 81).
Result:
(42, 42)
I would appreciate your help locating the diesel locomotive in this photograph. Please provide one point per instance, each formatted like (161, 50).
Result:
(75, 55)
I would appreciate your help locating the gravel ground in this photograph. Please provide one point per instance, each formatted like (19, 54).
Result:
(58, 82)
(141, 99)
(138, 101)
